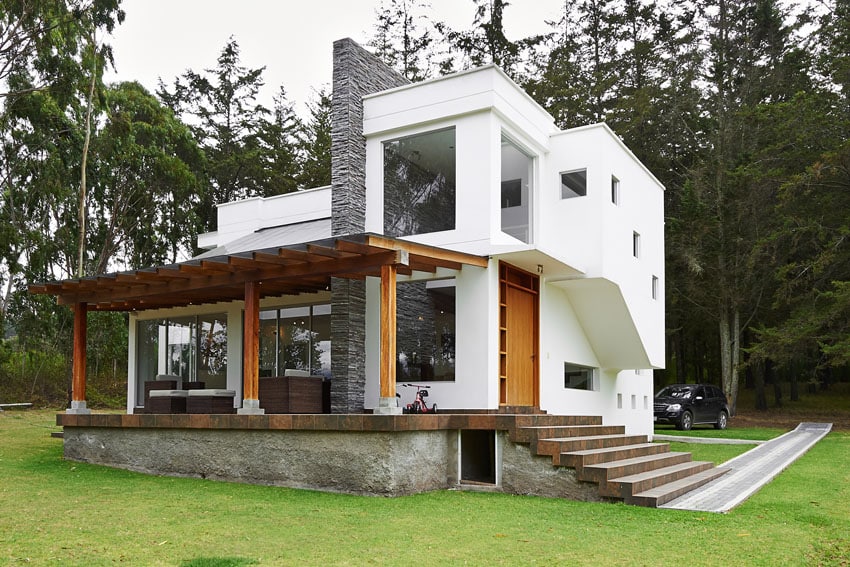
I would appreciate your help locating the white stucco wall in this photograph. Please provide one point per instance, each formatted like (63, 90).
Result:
(239, 218)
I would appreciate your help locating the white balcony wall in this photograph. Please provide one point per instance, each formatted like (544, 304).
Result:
(239, 218)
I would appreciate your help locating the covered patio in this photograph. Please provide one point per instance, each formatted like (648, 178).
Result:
(250, 276)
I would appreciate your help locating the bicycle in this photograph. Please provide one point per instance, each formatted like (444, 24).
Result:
(419, 405)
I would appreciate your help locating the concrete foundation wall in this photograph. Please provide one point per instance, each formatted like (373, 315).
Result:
(356, 462)
(376, 463)
(526, 473)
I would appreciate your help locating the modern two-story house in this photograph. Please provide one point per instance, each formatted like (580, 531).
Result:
(567, 315)
(466, 244)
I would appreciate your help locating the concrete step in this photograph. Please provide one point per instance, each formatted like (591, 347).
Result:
(603, 472)
(530, 434)
(579, 459)
(629, 485)
(556, 446)
(664, 493)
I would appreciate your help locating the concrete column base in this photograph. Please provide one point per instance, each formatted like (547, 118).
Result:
(387, 406)
(78, 407)
(250, 407)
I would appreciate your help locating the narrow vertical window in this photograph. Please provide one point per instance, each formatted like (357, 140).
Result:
(646, 402)
(654, 287)
(636, 244)
(619, 401)
(615, 190)
(634, 401)
(517, 190)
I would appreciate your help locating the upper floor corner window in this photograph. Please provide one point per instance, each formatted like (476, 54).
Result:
(419, 183)
(516, 190)
(615, 190)
(654, 287)
(574, 184)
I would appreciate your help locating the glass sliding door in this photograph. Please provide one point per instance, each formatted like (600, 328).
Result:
(297, 338)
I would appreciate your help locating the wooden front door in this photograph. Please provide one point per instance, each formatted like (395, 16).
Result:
(518, 336)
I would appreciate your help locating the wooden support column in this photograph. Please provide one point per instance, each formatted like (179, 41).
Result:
(388, 331)
(78, 368)
(251, 350)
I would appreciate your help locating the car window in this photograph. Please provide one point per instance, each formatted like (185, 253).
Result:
(675, 392)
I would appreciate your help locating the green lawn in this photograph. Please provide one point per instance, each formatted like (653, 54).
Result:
(75, 514)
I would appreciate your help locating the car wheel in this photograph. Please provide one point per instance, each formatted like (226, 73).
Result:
(722, 420)
(685, 422)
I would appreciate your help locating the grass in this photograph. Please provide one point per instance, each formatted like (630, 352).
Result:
(77, 514)
(753, 433)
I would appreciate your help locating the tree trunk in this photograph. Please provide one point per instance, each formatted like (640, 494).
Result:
(795, 388)
(81, 249)
(759, 369)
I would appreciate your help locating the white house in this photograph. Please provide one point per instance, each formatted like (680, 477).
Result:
(568, 314)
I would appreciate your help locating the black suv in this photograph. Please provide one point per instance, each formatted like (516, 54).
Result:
(686, 405)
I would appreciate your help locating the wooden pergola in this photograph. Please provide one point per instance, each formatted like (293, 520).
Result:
(251, 276)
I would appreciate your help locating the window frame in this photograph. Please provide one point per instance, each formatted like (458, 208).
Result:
(562, 185)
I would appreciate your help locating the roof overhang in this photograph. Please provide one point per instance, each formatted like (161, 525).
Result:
(306, 267)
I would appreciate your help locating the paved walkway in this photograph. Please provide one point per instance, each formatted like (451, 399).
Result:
(752, 470)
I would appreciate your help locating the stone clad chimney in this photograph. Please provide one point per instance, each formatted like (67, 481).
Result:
(356, 73)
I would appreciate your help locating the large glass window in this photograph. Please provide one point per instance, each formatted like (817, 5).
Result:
(419, 183)
(425, 335)
(193, 348)
(297, 338)
(516, 190)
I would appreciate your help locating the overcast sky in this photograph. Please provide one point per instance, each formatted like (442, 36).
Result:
(291, 38)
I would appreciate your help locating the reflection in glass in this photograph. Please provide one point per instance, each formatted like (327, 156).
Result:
(419, 183)
(425, 331)
(298, 338)
(516, 190)
(212, 346)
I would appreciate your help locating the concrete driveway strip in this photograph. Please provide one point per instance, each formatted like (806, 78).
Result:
(752, 470)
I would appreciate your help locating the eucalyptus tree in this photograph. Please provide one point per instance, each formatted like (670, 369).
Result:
(144, 184)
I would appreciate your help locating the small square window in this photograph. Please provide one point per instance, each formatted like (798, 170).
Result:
(636, 244)
(574, 184)
(615, 190)
(654, 287)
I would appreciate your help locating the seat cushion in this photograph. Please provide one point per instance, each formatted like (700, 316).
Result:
(211, 393)
(168, 393)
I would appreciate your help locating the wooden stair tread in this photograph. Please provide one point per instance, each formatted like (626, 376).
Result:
(583, 437)
(637, 446)
(639, 477)
(636, 460)
(666, 492)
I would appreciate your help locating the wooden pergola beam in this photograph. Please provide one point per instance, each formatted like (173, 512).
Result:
(218, 280)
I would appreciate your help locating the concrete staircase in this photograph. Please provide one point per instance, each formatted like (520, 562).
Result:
(626, 467)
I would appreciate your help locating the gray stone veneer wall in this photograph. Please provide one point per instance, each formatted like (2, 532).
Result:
(356, 73)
